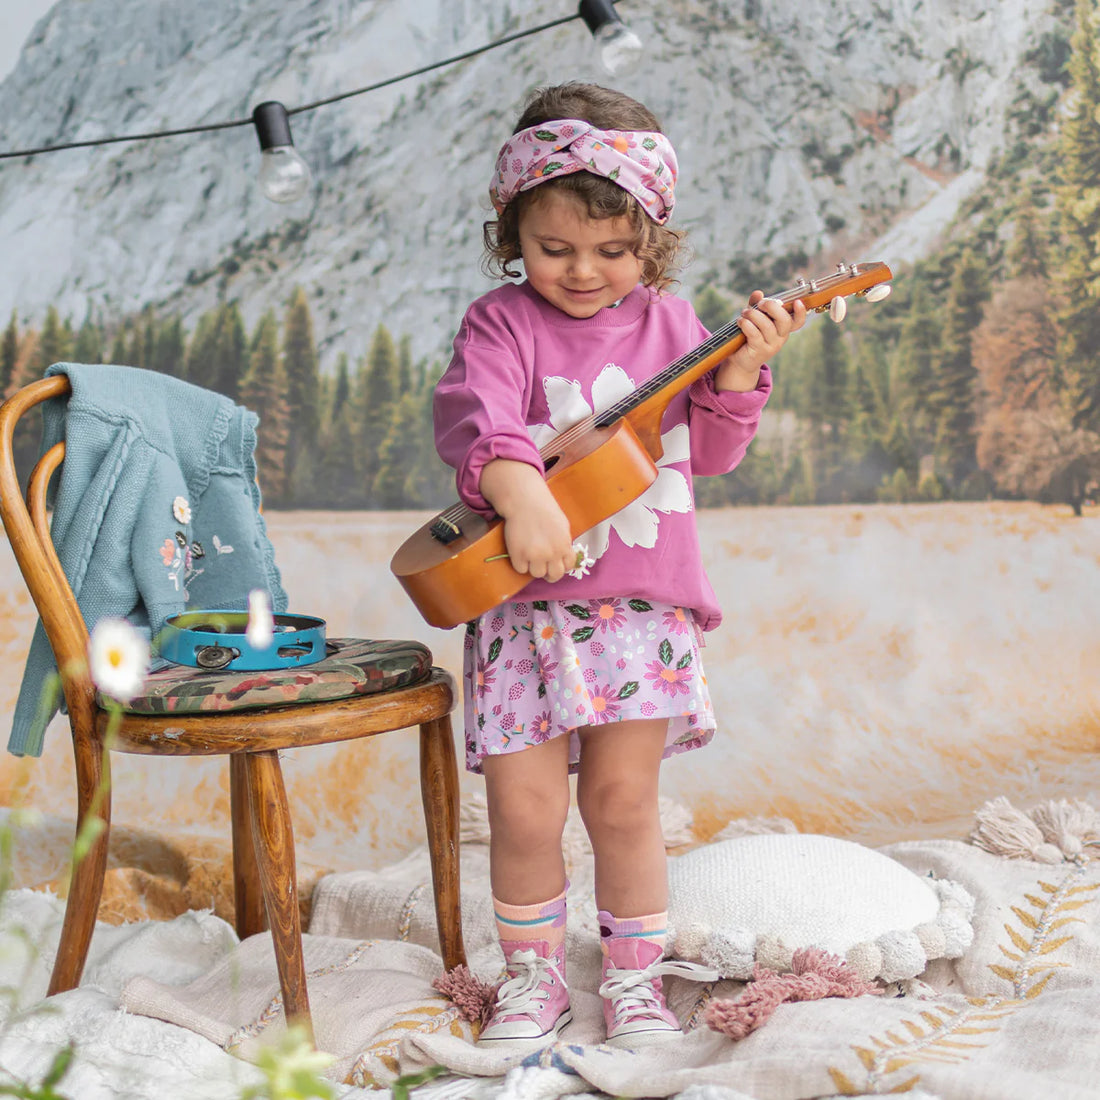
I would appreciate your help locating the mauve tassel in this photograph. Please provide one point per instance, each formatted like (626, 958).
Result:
(814, 974)
(474, 998)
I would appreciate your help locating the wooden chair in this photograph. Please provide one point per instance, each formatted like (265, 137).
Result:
(265, 884)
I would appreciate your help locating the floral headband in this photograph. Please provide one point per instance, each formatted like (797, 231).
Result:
(639, 161)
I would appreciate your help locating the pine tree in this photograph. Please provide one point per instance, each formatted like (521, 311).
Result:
(915, 359)
(170, 349)
(867, 462)
(404, 366)
(303, 393)
(263, 390)
(380, 392)
(120, 349)
(218, 357)
(9, 352)
(201, 362)
(231, 358)
(1029, 251)
(712, 308)
(55, 343)
(429, 482)
(823, 403)
(89, 342)
(1078, 203)
(397, 457)
(339, 483)
(957, 378)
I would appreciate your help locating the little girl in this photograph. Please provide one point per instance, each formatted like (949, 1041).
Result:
(595, 668)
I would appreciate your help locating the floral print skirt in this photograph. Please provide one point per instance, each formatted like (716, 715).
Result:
(540, 669)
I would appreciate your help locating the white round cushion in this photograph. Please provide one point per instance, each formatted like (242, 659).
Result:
(759, 898)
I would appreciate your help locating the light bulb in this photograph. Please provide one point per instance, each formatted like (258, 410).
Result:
(620, 49)
(284, 176)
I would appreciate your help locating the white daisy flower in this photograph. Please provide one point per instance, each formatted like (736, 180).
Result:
(118, 657)
(636, 524)
(181, 510)
(583, 564)
(261, 623)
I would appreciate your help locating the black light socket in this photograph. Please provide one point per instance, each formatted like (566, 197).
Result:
(597, 13)
(272, 125)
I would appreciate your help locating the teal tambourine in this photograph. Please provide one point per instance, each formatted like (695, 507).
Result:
(217, 640)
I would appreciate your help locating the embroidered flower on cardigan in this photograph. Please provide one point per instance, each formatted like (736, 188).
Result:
(181, 510)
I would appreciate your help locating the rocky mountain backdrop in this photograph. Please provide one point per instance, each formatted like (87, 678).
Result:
(806, 132)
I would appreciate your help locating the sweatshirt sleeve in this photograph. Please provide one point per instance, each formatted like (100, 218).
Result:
(723, 424)
(480, 405)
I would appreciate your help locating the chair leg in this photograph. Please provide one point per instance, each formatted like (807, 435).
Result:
(439, 791)
(249, 914)
(93, 785)
(274, 847)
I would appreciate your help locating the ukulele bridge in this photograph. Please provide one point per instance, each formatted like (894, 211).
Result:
(444, 531)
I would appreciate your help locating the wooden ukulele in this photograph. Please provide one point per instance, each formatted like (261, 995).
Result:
(456, 566)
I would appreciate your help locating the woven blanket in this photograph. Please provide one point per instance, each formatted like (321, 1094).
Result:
(1013, 1019)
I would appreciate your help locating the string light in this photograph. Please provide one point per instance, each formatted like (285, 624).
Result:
(618, 46)
(284, 176)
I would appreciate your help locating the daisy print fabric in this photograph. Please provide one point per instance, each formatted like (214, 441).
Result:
(540, 669)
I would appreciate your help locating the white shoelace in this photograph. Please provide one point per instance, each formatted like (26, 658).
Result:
(631, 992)
(517, 995)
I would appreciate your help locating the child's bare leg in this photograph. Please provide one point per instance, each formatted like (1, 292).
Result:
(617, 792)
(528, 796)
(528, 802)
(617, 789)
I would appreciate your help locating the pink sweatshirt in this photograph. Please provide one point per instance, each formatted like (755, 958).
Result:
(523, 371)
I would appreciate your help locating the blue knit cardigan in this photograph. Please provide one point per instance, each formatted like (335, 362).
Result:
(157, 511)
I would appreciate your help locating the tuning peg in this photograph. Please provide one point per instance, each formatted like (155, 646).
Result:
(838, 309)
(877, 293)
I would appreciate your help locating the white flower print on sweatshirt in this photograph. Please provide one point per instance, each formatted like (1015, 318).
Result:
(637, 523)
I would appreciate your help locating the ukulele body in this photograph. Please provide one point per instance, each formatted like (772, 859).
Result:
(594, 474)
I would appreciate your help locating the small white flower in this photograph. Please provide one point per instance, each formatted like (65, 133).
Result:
(261, 623)
(118, 657)
(181, 510)
(26, 817)
(293, 1067)
(583, 564)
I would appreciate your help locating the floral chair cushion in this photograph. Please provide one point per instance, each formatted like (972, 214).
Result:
(354, 666)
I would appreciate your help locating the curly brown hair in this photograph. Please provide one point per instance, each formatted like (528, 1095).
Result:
(658, 247)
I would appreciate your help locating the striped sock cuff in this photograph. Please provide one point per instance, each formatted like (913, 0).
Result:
(544, 920)
(652, 927)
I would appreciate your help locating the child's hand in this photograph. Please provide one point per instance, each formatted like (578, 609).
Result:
(538, 540)
(536, 531)
(766, 324)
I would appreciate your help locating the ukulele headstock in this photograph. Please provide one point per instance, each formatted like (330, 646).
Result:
(828, 293)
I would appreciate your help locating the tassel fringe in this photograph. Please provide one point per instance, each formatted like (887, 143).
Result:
(814, 974)
(1052, 832)
(475, 999)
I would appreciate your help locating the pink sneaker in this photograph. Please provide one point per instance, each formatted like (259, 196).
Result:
(533, 1003)
(634, 1007)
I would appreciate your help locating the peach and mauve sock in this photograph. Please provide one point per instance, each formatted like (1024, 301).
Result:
(545, 920)
(652, 927)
